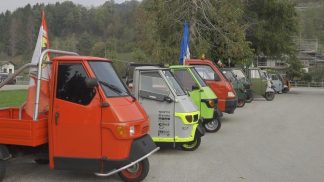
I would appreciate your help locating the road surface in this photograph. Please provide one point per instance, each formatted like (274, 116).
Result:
(282, 140)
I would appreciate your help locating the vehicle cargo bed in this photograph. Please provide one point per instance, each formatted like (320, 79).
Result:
(22, 131)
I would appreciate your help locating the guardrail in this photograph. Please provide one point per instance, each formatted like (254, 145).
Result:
(306, 84)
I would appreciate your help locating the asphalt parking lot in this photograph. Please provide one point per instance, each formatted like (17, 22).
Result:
(282, 140)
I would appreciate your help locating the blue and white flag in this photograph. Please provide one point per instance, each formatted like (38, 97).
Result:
(184, 49)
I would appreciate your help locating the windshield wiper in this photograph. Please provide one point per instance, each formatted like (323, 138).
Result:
(116, 89)
(112, 87)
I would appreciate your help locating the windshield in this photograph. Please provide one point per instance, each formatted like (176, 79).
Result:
(173, 82)
(185, 79)
(198, 77)
(239, 73)
(229, 75)
(108, 79)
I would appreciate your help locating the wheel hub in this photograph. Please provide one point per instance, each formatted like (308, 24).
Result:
(212, 125)
(133, 169)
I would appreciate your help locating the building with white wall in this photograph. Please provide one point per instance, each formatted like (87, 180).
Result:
(7, 67)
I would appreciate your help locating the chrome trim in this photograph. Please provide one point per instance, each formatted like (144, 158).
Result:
(127, 166)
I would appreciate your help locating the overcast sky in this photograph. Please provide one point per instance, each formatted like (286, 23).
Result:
(14, 4)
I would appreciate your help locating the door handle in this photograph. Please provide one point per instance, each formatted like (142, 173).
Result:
(57, 116)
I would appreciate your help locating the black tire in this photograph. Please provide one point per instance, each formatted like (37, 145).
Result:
(213, 126)
(41, 161)
(249, 98)
(240, 103)
(269, 96)
(191, 146)
(2, 169)
(136, 173)
(285, 90)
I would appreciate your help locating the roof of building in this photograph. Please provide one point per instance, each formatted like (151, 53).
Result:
(6, 62)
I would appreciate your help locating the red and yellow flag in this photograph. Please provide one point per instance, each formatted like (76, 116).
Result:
(41, 44)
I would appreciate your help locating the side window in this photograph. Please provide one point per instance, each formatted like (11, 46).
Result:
(154, 83)
(254, 73)
(206, 72)
(185, 79)
(71, 84)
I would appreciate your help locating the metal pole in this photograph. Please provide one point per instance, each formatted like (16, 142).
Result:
(35, 117)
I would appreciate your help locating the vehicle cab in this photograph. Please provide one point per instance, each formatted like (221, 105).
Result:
(174, 117)
(240, 75)
(237, 85)
(277, 82)
(93, 124)
(227, 99)
(201, 95)
(260, 84)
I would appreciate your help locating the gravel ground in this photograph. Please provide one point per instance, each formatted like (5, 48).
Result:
(282, 140)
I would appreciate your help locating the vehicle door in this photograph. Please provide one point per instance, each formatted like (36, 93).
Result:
(156, 98)
(256, 81)
(76, 116)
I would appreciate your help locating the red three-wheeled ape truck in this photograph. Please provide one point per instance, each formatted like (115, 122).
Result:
(92, 123)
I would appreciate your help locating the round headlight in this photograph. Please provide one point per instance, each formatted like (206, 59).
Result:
(211, 103)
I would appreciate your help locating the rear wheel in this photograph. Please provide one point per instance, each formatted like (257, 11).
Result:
(285, 90)
(240, 103)
(249, 98)
(213, 125)
(136, 173)
(191, 146)
(269, 96)
(2, 169)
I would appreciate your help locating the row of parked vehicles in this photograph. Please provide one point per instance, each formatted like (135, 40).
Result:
(97, 122)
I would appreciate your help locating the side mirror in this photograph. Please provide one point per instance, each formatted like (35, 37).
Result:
(168, 99)
(195, 87)
(91, 82)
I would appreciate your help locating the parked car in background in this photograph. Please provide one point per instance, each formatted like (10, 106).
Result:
(260, 84)
(276, 82)
(4, 76)
(227, 99)
(286, 83)
(237, 85)
(241, 76)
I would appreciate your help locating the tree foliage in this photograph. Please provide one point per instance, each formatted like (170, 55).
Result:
(273, 25)
(151, 30)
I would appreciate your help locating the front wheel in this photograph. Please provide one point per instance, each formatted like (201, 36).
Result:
(240, 103)
(2, 169)
(136, 173)
(285, 90)
(269, 96)
(213, 125)
(249, 98)
(191, 146)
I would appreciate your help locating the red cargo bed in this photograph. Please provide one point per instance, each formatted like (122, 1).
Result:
(22, 130)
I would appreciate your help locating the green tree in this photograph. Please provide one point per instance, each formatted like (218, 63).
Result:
(273, 25)
(85, 44)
